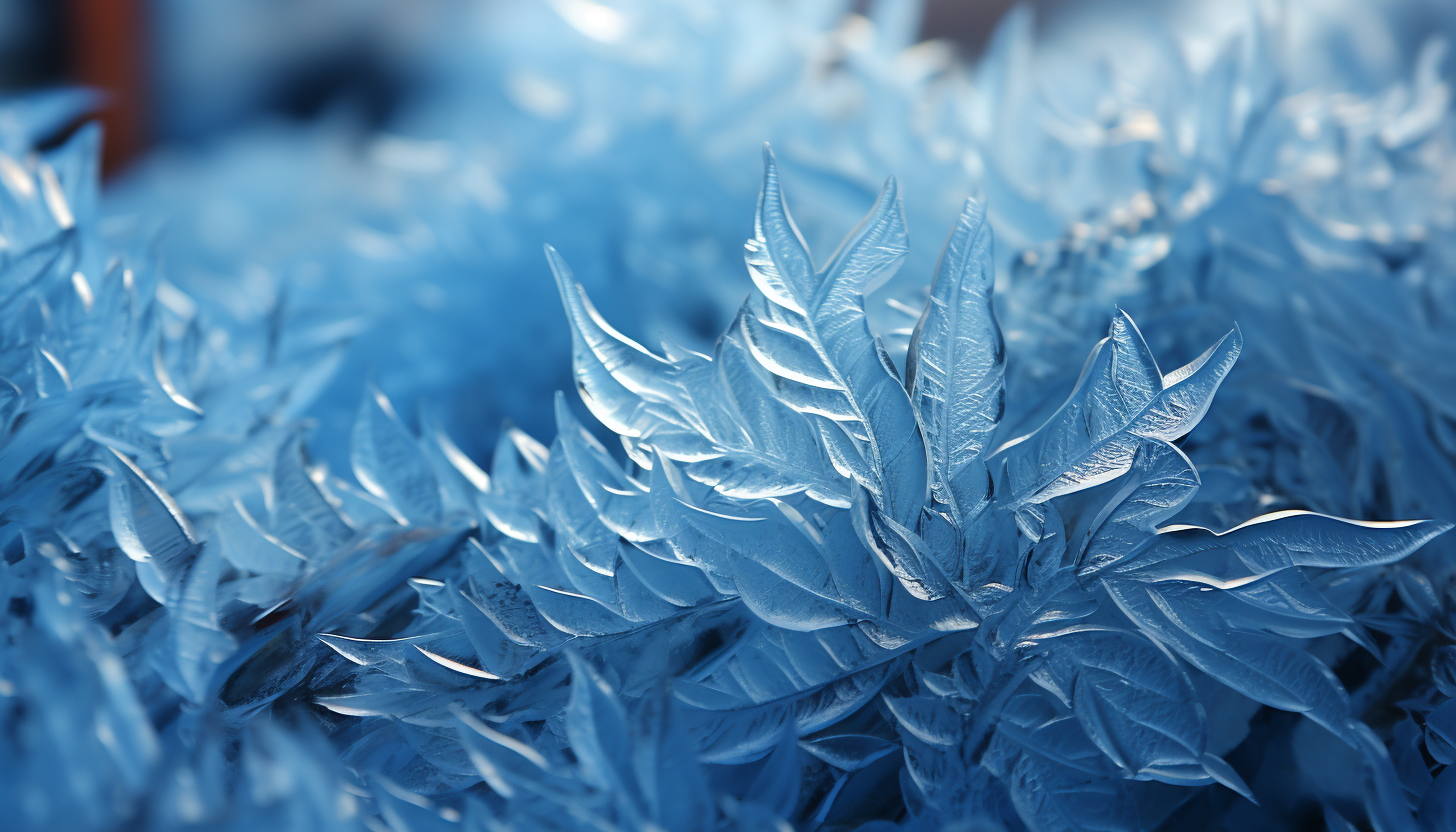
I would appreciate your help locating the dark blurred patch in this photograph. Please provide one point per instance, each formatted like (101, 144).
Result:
(968, 22)
(107, 46)
(32, 44)
(357, 76)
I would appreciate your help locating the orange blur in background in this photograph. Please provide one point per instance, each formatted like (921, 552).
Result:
(108, 52)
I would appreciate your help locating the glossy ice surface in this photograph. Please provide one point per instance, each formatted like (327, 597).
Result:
(873, 548)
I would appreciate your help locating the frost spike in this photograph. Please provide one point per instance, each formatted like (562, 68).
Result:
(817, 319)
(148, 524)
(614, 373)
(1095, 435)
(390, 464)
(954, 367)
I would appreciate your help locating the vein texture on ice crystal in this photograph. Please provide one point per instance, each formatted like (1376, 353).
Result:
(855, 552)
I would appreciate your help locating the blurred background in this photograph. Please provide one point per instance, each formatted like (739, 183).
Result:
(187, 70)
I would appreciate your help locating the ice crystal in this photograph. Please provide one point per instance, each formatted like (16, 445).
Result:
(871, 555)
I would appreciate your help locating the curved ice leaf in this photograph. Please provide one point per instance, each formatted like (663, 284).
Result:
(197, 643)
(666, 766)
(575, 613)
(390, 464)
(1045, 559)
(1162, 480)
(680, 584)
(518, 462)
(149, 527)
(793, 572)
(1057, 798)
(954, 366)
(1441, 733)
(597, 729)
(732, 731)
(776, 788)
(904, 553)
(1289, 604)
(34, 265)
(518, 482)
(461, 479)
(1278, 541)
(776, 448)
(808, 328)
(849, 752)
(1120, 401)
(249, 546)
(718, 418)
(586, 489)
(303, 516)
(779, 574)
(499, 654)
(1262, 668)
(623, 384)
(506, 605)
(1055, 777)
(507, 763)
(1132, 699)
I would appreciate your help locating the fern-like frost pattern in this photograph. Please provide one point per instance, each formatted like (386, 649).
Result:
(880, 553)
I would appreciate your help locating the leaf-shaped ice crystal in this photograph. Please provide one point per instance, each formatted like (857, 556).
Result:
(390, 464)
(802, 572)
(807, 327)
(726, 426)
(954, 370)
(150, 528)
(1121, 400)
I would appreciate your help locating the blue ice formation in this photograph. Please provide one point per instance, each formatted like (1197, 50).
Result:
(871, 549)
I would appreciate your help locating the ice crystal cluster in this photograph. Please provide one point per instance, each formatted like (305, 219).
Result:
(874, 548)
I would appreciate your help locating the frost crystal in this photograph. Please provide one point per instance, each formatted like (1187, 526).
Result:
(854, 553)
